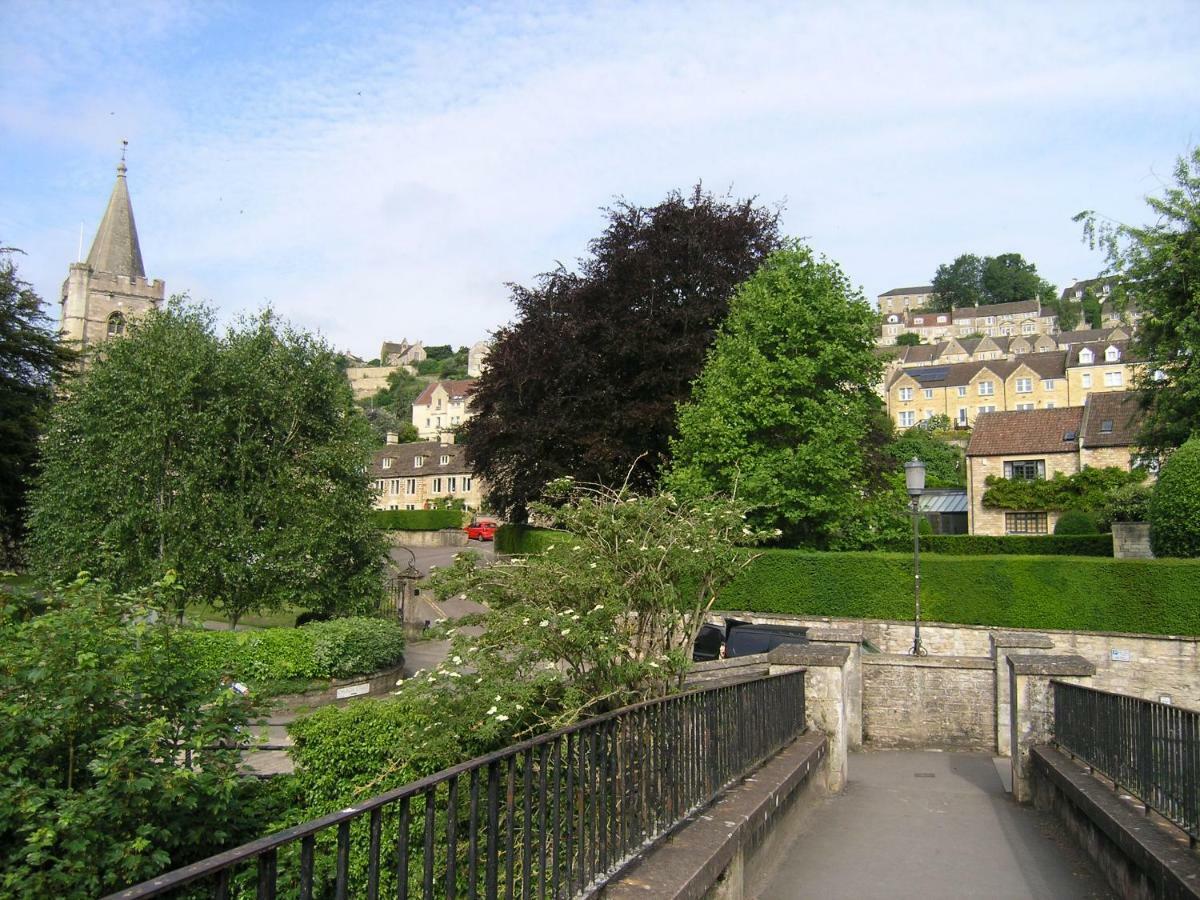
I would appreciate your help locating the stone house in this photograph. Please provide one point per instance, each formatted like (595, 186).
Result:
(412, 476)
(442, 407)
(1039, 444)
(101, 295)
(1099, 367)
(401, 354)
(1021, 318)
(903, 299)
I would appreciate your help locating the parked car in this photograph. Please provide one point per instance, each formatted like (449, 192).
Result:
(738, 638)
(482, 530)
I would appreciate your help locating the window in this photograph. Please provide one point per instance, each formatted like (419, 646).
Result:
(1028, 328)
(941, 320)
(1048, 384)
(466, 483)
(907, 418)
(410, 506)
(444, 459)
(1106, 426)
(1024, 407)
(439, 403)
(387, 462)
(1025, 469)
(395, 485)
(1025, 523)
(990, 320)
(410, 486)
(1024, 385)
(1085, 380)
(451, 484)
(962, 415)
(1050, 404)
(984, 409)
(1112, 354)
(1113, 379)
(437, 485)
(906, 394)
(928, 393)
(427, 421)
(962, 390)
(1086, 357)
(116, 325)
(986, 388)
(418, 462)
(454, 420)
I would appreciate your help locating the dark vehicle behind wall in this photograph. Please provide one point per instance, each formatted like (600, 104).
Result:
(740, 638)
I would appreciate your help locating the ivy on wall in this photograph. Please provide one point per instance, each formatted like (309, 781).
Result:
(1088, 489)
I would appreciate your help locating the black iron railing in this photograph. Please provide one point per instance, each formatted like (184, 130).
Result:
(551, 817)
(1149, 749)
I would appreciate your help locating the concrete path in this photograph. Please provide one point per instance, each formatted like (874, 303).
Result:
(929, 825)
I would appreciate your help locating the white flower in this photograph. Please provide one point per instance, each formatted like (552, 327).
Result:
(697, 550)
(575, 618)
(567, 612)
(457, 660)
(544, 623)
(566, 631)
(654, 665)
(502, 718)
(551, 547)
(525, 621)
(479, 680)
(778, 532)
(576, 547)
(497, 698)
(520, 707)
(745, 530)
(598, 607)
(492, 711)
(455, 675)
(591, 565)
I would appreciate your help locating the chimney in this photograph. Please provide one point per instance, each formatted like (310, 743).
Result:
(393, 437)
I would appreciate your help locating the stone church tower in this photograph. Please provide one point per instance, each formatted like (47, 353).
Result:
(102, 294)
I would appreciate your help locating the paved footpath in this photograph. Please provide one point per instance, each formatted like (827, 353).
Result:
(930, 825)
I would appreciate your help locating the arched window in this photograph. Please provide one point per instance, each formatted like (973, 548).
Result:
(116, 324)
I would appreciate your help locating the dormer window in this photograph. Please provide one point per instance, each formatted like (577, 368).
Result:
(1112, 354)
(387, 462)
(444, 459)
(1086, 357)
(941, 320)
(418, 462)
(1106, 426)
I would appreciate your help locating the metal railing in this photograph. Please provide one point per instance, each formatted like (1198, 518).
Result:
(1149, 749)
(551, 817)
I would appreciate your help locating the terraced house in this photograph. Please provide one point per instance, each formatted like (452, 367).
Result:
(413, 476)
(999, 320)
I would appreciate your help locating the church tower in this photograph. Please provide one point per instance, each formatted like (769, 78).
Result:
(102, 294)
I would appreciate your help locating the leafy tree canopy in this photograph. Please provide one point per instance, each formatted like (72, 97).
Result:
(237, 461)
(1174, 510)
(908, 339)
(784, 413)
(945, 465)
(31, 362)
(586, 380)
(1157, 267)
(982, 280)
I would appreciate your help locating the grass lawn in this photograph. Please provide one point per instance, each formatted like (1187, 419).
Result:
(283, 618)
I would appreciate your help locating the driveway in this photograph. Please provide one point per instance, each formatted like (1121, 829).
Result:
(441, 557)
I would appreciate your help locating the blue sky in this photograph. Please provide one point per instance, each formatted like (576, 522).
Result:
(379, 171)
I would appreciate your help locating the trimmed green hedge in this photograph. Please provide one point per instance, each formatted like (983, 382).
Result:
(1012, 544)
(419, 519)
(338, 648)
(520, 540)
(1073, 593)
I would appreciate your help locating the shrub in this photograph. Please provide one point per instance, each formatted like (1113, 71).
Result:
(338, 648)
(520, 540)
(1074, 593)
(419, 519)
(1076, 521)
(1087, 489)
(1130, 503)
(1175, 504)
(1011, 544)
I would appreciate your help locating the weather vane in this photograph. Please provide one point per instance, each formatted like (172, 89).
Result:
(124, 146)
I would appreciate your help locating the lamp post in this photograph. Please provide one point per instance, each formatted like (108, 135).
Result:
(914, 480)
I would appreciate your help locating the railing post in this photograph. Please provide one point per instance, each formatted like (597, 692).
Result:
(1031, 709)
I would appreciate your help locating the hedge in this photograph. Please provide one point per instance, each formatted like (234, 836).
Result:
(419, 519)
(1012, 544)
(524, 539)
(338, 648)
(1071, 593)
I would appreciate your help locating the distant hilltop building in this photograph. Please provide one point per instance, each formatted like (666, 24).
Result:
(401, 354)
(902, 299)
(441, 408)
(477, 358)
(101, 295)
(1021, 317)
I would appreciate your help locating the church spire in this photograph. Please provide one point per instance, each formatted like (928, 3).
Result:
(115, 249)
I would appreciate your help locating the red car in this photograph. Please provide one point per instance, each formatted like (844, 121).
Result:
(482, 530)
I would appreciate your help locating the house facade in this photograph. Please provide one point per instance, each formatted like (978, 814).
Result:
(1022, 318)
(902, 299)
(442, 407)
(1040, 444)
(415, 475)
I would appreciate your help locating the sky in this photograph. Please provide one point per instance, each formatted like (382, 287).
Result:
(382, 171)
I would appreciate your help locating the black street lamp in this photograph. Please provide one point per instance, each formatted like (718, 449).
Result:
(914, 479)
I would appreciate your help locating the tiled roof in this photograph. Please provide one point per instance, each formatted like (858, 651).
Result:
(460, 388)
(1051, 364)
(1111, 419)
(897, 292)
(1048, 364)
(1015, 308)
(1031, 431)
(1098, 349)
(403, 457)
(1096, 284)
(1087, 336)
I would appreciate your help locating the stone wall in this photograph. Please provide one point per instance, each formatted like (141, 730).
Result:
(929, 701)
(1131, 540)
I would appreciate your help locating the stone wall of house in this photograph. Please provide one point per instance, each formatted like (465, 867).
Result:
(991, 521)
(1104, 457)
(928, 701)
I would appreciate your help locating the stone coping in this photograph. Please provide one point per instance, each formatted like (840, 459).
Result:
(1068, 664)
(1160, 852)
(1028, 639)
(793, 618)
(688, 864)
(809, 655)
(929, 662)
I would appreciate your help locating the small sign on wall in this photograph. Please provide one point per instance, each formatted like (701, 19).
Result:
(1120, 655)
(353, 690)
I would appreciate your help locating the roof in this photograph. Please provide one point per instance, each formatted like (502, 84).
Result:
(943, 501)
(1098, 349)
(115, 249)
(403, 458)
(459, 388)
(1015, 308)
(1029, 431)
(1050, 364)
(1068, 293)
(900, 291)
(1087, 335)
(1111, 419)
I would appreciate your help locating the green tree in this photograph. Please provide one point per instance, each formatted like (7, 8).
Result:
(1009, 277)
(945, 463)
(1174, 511)
(384, 421)
(32, 362)
(1157, 269)
(402, 389)
(979, 281)
(237, 461)
(908, 339)
(120, 755)
(585, 383)
(1091, 310)
(959, 283)
(784, 413)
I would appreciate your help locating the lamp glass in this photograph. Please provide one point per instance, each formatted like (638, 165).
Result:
(914, 476)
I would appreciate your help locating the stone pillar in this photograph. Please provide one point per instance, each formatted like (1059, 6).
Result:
(848, 635)
(1131, 540)
(1003, 643)
(1031, 707)
(826, 698)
